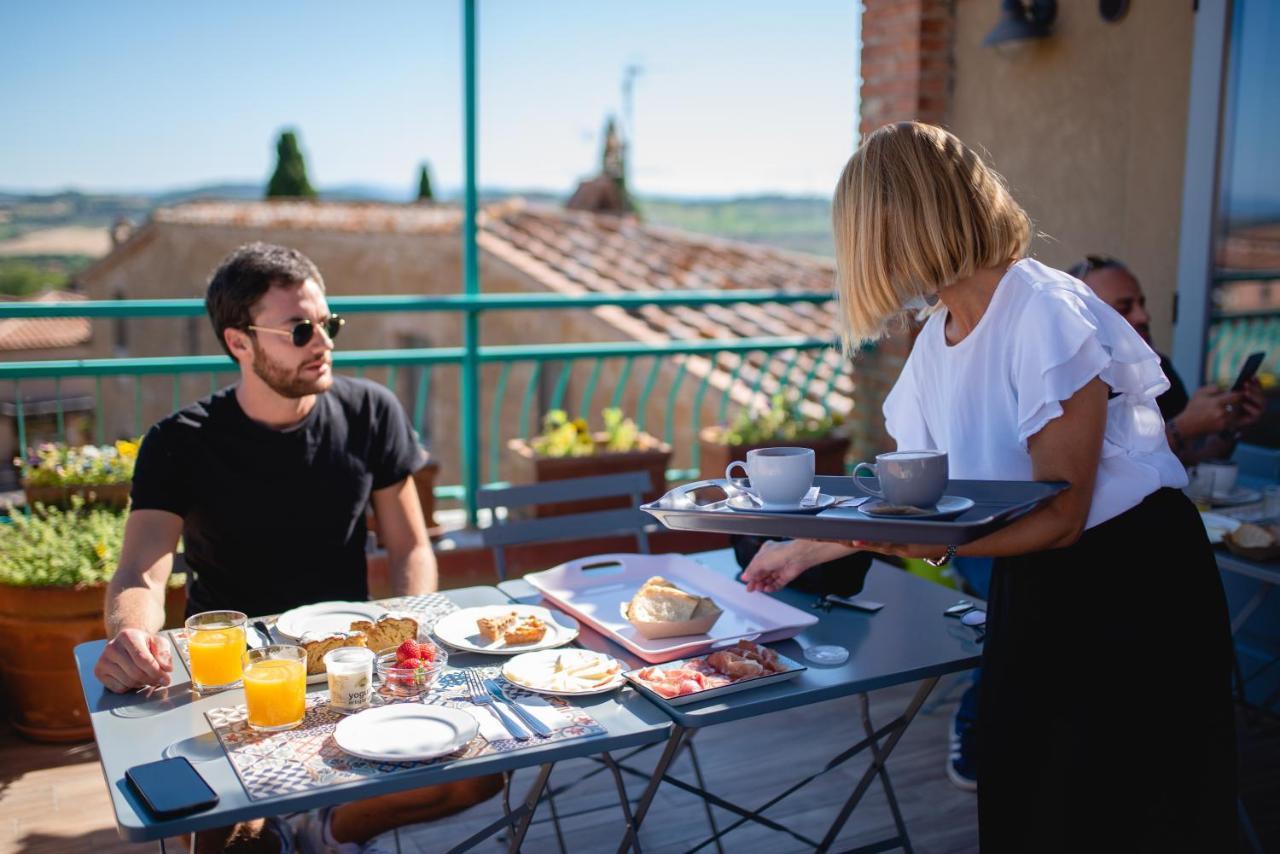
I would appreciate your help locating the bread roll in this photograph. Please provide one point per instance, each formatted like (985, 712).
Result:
(660, 601)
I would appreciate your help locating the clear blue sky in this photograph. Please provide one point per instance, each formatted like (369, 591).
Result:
(736, 96)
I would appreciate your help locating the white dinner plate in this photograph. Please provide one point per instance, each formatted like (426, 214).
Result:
(1216, 526)
(459, 629)
(532, 670)
(326, 618)
(405, 732)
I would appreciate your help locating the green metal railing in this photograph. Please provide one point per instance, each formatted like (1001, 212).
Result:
(638, 369)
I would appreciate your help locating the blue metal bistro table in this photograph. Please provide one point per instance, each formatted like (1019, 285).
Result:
(130, 729)
(909, 640)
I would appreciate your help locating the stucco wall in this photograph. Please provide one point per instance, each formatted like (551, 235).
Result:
(1089, 128)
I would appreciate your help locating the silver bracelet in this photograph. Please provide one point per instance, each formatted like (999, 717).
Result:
(944, 560)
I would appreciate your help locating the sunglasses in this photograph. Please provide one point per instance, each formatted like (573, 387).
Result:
(304, 330)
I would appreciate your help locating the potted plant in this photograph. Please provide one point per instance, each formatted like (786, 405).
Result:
(54, 566)
(782, 424)
(53, 473)
(568, 448)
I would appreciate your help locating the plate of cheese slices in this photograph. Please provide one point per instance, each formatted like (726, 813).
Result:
(565, 672)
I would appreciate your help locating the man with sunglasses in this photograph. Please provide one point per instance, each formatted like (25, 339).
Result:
(267, 482)
(1202, 426)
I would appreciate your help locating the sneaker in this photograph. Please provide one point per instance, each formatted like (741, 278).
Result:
(962, 766)
(312, 835)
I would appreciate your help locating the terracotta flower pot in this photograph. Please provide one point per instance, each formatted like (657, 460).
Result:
(39, 629)
(715, 455)
(109, 495)
(650, 455)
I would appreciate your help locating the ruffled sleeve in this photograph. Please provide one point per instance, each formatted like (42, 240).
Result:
(904, 415)
(1064, 340)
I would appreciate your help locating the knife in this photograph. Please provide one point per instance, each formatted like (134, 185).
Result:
(495, 691)
(263, 631)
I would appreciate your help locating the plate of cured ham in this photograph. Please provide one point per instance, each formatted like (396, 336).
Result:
(739, 667)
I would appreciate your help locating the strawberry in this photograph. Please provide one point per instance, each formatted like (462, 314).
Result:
(426, 652)
(410, 664)
(408, 649)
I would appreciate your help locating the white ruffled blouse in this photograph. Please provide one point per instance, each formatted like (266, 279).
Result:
(1043, 337)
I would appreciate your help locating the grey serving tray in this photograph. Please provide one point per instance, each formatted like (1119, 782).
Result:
(996, 503)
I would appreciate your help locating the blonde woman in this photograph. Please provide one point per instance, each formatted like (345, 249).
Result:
(1105, 719)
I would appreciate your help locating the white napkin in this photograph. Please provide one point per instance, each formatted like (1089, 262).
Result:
(493, 730)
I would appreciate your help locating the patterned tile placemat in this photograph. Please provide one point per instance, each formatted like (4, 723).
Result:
(307, 757)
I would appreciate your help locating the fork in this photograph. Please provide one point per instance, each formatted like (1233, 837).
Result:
(480, 697)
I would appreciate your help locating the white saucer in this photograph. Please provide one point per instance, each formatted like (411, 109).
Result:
(405, 732)
(947, 507)
(1236, 497)
(743, 504)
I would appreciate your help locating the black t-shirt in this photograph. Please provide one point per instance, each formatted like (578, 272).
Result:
(1173, 401)
(274, 519)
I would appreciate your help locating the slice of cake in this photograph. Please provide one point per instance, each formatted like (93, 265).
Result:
(317, 645)
(525, 630)
(493, 628)
(388, 632)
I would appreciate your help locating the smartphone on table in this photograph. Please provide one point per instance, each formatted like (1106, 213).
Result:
(171, 787)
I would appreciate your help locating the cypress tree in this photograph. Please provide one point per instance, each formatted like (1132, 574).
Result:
(424, 186)
(290, 178)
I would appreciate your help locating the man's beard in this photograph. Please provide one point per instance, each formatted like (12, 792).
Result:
(286, 383)
(1145, 331)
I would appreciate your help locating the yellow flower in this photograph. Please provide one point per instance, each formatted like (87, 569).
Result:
(100, 549)
(127, 450)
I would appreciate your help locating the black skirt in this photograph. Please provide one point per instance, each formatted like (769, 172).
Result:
(1106, 719)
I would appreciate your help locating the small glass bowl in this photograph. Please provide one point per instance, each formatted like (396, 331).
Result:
(406, 681)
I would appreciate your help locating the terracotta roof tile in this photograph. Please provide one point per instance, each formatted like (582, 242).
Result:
(44, 333)
(316, 215)
(573, 251)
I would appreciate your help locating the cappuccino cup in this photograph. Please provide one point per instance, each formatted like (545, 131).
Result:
(907, 478)
(780, 477)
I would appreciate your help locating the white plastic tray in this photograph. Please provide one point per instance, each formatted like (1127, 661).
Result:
(592, 588)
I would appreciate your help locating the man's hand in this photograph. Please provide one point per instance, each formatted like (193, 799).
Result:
(1251, 406)
(1209, 411)
(134, 659)
(777, 563)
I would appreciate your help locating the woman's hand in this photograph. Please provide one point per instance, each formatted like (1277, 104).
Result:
(777, 563)
(897, 549)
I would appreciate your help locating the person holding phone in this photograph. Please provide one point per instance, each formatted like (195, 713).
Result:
(1203, 426)
(1022, 373)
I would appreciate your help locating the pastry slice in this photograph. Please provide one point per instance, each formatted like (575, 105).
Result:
(493, 628)
(526, 630)
(388, 632)
(317, 645)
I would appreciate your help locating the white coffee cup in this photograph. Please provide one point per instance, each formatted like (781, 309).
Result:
(780, 477)
(907, 478)
(1220, 478)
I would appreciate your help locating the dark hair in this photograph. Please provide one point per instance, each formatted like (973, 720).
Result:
(245, 275)
(1096, 262)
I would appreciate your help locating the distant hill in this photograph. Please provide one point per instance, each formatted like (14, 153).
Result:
(798, 223)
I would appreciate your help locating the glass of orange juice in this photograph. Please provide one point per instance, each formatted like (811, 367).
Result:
(215, 643)
(275, 686)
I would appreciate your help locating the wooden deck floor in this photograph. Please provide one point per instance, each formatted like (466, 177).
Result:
(53, 799)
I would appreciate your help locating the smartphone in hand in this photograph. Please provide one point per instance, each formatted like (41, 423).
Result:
(1248, 370)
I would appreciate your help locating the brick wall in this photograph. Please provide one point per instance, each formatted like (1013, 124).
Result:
(907, 65)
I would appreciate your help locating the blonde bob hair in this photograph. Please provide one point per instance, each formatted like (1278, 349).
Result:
(915, 210)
